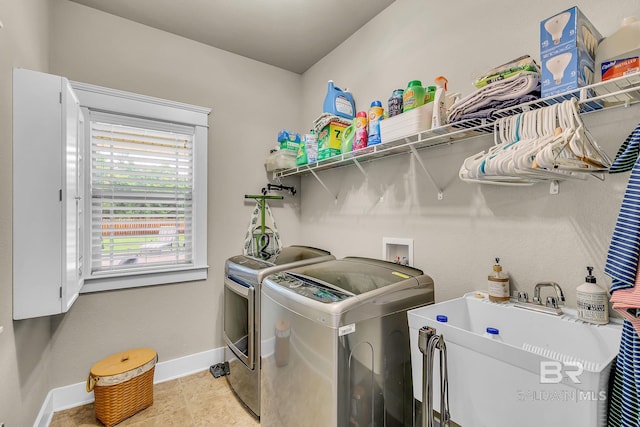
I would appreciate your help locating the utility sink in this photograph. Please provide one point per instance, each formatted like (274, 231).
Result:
(545, 370)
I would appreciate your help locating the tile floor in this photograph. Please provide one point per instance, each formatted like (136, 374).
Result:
(195, 400)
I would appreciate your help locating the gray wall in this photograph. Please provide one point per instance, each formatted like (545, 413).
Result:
(251, 101)
(24, 346)
(538, 236)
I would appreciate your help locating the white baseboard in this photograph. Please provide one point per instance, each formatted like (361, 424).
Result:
(70, 396)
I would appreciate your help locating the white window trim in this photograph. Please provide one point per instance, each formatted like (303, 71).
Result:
(101, 99)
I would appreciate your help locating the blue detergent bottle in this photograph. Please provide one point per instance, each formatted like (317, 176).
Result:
(339, 102)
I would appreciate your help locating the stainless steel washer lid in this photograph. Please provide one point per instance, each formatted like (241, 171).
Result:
(339, 292)
(252, 270)
(357, 275)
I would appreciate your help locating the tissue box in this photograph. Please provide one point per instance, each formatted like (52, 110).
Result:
(330, 139)
(568, 43)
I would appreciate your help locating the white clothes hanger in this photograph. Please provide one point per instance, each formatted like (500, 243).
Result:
(547, 143)
(575, 150)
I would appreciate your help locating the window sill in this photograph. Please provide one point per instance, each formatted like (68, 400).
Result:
(144, 279)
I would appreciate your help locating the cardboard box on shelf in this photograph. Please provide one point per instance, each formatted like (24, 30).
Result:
(329, 140)
(568, 43)
(619, 67)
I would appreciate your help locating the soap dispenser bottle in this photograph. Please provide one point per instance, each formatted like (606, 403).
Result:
(593, 303)
(498, 284)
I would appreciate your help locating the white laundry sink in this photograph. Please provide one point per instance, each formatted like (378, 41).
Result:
(546, 370)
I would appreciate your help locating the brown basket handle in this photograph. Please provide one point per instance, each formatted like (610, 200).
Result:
(91, 382)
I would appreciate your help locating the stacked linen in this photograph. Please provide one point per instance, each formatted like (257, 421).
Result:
(325, 118)
(484, 102)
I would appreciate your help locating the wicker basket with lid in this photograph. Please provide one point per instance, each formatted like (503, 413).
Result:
(122, 384)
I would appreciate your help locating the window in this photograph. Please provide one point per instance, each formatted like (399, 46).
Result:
(146, 189)
(141, 196)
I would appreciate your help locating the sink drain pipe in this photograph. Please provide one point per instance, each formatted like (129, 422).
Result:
(428, 342)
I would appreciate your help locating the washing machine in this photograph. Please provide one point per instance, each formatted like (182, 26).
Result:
(335, 344)
(243, 276)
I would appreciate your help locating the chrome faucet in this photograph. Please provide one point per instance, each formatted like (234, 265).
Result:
(560, 300)
(552, 305)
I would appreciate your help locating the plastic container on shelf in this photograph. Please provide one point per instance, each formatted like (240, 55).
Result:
(311, 146)
(439, 103)
(413, 96)
(375, 117)
(301, 156)
(430, 94)
(360, 139)
(281, 159)
(307, 150)
(406, 124)
(347, 138)
(395, 103)
(339, 102)
(619, 54)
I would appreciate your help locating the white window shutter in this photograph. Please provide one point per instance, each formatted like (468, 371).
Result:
(47, 223)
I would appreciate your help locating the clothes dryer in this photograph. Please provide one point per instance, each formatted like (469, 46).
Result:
(243, 276)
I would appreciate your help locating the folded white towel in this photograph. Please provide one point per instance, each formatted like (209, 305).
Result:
(513, 87)
(326, 118)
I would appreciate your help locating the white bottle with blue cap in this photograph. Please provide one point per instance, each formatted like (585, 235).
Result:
(493, 334)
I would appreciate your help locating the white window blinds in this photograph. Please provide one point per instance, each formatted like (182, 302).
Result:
(142, 176)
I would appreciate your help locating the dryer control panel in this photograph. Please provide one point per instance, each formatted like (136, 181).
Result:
(309, 288)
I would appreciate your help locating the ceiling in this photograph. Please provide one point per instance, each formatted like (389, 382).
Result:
(290, 34)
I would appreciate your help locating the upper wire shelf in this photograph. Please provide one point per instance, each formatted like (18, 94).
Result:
(622, 91)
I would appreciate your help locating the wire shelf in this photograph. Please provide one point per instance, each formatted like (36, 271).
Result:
(622, 91)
